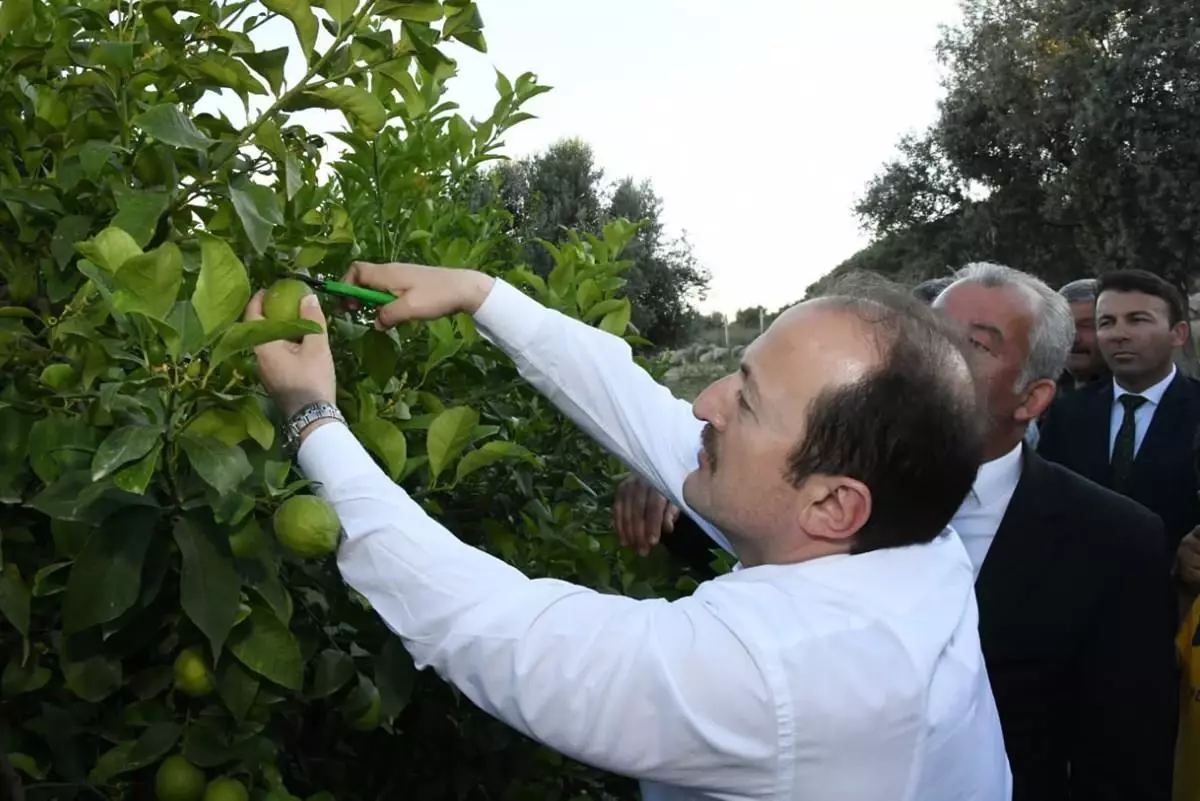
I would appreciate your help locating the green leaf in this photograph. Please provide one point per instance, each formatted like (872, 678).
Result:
(379, 357)
(168, 124)
(122, 446)
(14, 599)
(269, 64)
(93, 679)
(222, 287)
(14, 14)
(185, 333)
(300, 13)
(257, 207)
(223, 467)
(258, 427)
(359, 105)
(420, 11)
(264, 645)
(209, 587)
(138, 212)
(19, 679)
(47, 582)
(107, 575)
(397, 72)
(136, 477)
(223, 425)
(587, 295)
(25, 763)
(448, 434)
(340, 10)
(395, 676)
(617, 321)
(333, 670)
(152, 746)
(238, 688)
(67, 232)
(490, 453)
(110, 249)
(385, 441)
(247, 335)
(149, 283)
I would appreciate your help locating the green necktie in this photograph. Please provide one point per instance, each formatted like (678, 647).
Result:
(1122, 458)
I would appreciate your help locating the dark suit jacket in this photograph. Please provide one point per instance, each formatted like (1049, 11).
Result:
(1076, 619)
(1075, 433)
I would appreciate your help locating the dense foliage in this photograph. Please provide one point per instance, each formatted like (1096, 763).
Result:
(1068, 143)
(146, 610)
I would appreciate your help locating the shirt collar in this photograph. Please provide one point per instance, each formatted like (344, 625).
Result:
(1153, 395)
(997, 477)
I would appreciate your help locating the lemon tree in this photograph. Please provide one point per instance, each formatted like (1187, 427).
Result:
(163, 623)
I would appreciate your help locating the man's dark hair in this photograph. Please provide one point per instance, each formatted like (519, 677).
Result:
(911, 429)
(1148, 284)
(928, 291)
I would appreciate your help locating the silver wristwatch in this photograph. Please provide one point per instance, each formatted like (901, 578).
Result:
(302, 419)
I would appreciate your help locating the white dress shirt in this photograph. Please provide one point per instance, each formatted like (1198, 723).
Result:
(1142, 417)
(979, 516)
(847, 678)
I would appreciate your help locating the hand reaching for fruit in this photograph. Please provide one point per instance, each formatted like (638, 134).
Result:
(295, 373)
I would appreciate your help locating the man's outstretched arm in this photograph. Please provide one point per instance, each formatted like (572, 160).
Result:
(589, 374)
(648, 689)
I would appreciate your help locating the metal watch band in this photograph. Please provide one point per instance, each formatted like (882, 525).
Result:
(302, 419)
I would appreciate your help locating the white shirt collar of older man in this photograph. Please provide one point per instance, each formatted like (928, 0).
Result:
(978, 518)
(1144, 414)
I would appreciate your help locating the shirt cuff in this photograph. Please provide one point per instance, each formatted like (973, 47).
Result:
(509, 318)
(333, 457)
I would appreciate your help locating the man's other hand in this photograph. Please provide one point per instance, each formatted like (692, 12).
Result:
(422, 293)
(642, 515)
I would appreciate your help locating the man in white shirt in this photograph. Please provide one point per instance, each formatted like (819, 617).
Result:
(842, 661)
(1074, 603)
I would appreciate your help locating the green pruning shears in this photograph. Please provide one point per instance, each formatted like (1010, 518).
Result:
(370, 296)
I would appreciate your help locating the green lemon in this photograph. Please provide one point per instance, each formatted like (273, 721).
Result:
(226, 789)
(248, 541)
(282, 299)
(178, 780)
(191, 673)
(307, 526)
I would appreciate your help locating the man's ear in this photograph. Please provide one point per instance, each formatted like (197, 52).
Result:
(835, 507)
(1180, 332)
(1038, 398)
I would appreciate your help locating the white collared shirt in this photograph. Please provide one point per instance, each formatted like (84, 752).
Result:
(847, 677)
(1142, 417)
(979, 516)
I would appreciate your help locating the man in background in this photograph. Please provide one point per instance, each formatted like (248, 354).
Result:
(1075, 604)
(1135, 433)
(1086, 363)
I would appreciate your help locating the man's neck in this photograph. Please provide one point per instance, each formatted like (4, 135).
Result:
(1000, 445)
(1143, 382)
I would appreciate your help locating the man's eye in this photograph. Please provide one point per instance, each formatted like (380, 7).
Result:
(742, 402)
(980, 346)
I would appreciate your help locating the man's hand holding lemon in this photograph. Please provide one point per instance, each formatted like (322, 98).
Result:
(298, 374)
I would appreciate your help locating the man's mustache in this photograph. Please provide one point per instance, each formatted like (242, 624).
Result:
(708, 441)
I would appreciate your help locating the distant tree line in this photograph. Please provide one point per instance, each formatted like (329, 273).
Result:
(1067, 144)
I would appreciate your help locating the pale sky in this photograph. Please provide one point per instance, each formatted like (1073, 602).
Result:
(758, 122)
